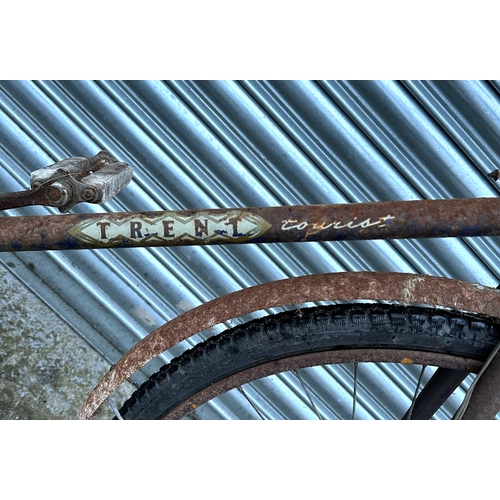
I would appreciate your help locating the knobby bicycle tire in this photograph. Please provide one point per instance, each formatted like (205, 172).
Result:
(299, 338)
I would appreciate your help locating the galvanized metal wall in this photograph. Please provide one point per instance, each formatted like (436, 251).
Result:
(208, 144)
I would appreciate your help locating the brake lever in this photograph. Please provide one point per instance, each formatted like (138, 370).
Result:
(71, 181)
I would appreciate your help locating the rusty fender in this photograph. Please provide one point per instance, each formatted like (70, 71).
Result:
(403, 288)
(358, 221)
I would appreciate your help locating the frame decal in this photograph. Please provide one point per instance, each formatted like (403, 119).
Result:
(171, 228)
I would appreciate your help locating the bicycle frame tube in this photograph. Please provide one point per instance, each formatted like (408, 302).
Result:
(362, 221)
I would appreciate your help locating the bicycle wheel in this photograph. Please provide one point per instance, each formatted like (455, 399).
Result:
(309, 337)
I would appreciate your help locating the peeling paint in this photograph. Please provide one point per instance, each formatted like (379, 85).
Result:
(184, 305)
(144, 316)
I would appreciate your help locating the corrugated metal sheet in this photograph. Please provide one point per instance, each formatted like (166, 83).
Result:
(227, 144)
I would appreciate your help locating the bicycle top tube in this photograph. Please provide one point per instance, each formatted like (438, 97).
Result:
(100, 177)
(362, 221)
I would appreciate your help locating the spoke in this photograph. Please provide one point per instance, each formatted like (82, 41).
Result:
(259, 413)
(482, 403)
(437, 390)
(410, 411)
(355, 391)
(308, 395)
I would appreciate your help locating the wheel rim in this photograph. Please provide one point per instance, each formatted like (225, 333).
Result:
(402, 356)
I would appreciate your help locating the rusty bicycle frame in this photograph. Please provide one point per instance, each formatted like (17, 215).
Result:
(100, 177)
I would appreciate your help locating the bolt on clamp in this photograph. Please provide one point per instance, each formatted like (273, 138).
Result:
(71, 181)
